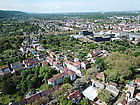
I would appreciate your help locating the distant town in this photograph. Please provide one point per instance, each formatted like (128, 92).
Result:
(70, 59)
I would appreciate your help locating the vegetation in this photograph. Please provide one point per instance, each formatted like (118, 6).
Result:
(121, 67)
(105, 96)
(19, 84)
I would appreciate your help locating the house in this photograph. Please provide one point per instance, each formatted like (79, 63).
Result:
(90, 93)
(74, 66)
(112, 87)
(50, 60)
(59, 78)
(43, 63)
(4, 69)
(1, 72)
(59, 67)
(16, 66)
(89, 55)
(100, 76)
(40, 48)
(123, 102)
(84, 65)
(134, 103)
(52, 54)
(35, 45)
(75, 96)
(97, 84)
(131, 90)
(137, 81)
(138, 96)
(93, 60)
(24, 50)
(41, 57)
(76, 59)
(99, 102)
(97, 52)
(33, 98)
(31, 62)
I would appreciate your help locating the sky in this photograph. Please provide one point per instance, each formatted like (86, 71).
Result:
(65, 6)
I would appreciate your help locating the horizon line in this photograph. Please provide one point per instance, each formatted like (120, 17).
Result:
(69, 11)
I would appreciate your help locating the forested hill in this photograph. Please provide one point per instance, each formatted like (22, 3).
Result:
(11, 14)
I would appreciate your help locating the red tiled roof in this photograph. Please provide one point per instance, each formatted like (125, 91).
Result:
(137, 80)
(73, 63)
(56, 77)
(138, 94)
(61, 75)
(31, 60)
(4, 66)
(86, 62)
(50, 59)
(45, 63)
(76, 94)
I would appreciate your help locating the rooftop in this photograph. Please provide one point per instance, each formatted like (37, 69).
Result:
(60, 75)
(4, 66)
(90, 93)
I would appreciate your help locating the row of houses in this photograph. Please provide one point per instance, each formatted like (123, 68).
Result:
(36, 96)
(69, 68)
(29, 45)
(59, 78)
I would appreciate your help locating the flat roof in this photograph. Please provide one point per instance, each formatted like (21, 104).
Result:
(90, 93)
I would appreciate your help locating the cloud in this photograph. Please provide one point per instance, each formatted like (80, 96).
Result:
(47, 6)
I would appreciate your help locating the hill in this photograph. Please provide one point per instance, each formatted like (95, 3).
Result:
(11, 14)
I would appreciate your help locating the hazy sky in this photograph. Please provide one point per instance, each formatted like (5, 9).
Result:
(57, 6)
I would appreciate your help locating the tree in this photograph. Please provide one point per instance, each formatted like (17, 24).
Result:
(100, 63)
(105, 96)
(84, 101)
(120, 67)
(46, 77)
(67, 80)
(81, 82)
(8, 86)
(65, 102)
(112, 75)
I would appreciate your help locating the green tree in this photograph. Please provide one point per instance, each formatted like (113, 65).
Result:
(84, 101)
(65, 102)
(105, 96)
(100, 63)
(67, 80)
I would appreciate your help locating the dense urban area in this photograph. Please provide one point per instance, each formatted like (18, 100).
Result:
(70, 59)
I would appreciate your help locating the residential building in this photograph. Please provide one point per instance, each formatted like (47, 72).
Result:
(74, 66)
(90, 93)
(31, 62)
(75, 96)
(100, 76)
(50, 60)
(84, 65)
(131, 90)
(16, 66)
(59, 78)
(112, 88)
(97, 84)
(137, 81)
(4, 69)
